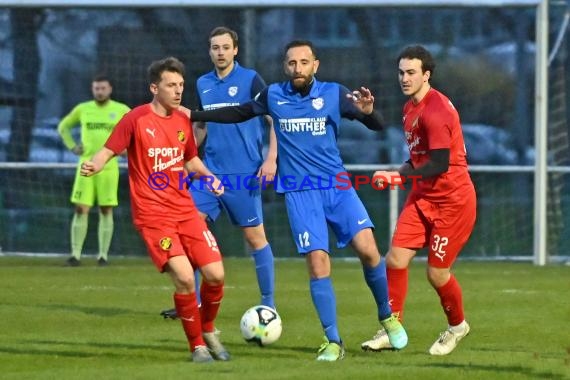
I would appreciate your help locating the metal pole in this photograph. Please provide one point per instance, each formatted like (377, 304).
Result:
(247, 38)
(541, 133)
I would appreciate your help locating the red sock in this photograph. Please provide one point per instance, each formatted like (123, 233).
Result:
(452, 301)
(187, 310)
(211, 299)
(397, 290)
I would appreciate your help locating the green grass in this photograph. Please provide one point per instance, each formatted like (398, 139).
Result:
(103, 323)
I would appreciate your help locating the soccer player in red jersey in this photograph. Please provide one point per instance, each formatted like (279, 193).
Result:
(440, 210)
(161, 153)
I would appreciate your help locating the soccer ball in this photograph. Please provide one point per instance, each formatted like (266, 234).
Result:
(261, 324)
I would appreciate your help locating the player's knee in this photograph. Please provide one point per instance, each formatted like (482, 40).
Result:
(214, 279)
(184, 284)
(365, 246)
(213, 274)
(255, 237)
(82, 209)
(437, 277)
(369, 258)
(257, 244)
(106, 210)
(318, 264)
(399, 258)
(391, 260)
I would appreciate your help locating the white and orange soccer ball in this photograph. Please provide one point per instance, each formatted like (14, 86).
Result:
(261, 324)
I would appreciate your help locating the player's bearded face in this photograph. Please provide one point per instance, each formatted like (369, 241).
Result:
(101, 91)
(169, 90)
(222, 51)
(412, 79)
(300, 66)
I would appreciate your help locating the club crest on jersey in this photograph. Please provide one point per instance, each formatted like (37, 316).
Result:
(232, 91)
(181, 136)
(318, 103)
(165, 243)
(112, 116)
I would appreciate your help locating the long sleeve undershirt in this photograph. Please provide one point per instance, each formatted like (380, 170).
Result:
(437, 164)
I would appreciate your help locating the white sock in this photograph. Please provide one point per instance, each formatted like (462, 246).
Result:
(459, 328)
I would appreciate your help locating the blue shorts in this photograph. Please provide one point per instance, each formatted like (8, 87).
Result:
(241, 199)
(310, 211)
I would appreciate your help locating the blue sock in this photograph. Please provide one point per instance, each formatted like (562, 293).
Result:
(197, 285)
(378, 284)
(324, 299)
(264, 269)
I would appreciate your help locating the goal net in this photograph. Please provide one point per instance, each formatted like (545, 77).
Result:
(485, 58)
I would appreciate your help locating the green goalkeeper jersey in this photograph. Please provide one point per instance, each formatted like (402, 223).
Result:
(97, 122)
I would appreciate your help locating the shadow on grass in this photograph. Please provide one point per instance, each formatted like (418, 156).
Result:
(277, 350)
(496, 368)
(535, 353)
(164, 345)
(91, 349)
(89, 310)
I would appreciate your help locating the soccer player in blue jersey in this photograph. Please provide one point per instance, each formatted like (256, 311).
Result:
(234, 153)
(308, 114)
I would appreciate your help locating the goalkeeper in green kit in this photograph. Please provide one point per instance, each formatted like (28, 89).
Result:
(97, 119)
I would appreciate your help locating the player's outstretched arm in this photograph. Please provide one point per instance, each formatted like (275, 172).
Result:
(196, 169)
(363, 100)
(97, 162)
(198, 127)
(269, 166)
(438, 163)
(230, 114)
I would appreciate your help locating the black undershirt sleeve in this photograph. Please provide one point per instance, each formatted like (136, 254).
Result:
(373, 121)
(232, 114)
(437, 164)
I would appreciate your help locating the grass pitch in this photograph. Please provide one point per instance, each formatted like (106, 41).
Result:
(103, 323)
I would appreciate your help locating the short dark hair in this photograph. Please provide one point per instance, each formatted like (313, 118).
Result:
(299, 43)
(171, 64)
(421, 53)
(221, 30)
(102, 78)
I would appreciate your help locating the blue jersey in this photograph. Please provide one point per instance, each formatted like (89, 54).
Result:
(307, 129)
(235, 148)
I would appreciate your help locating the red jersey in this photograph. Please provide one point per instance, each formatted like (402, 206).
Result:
(157, 149)
(434, 123)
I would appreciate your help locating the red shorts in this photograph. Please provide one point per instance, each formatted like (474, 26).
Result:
(443, 227)
(192, 238)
